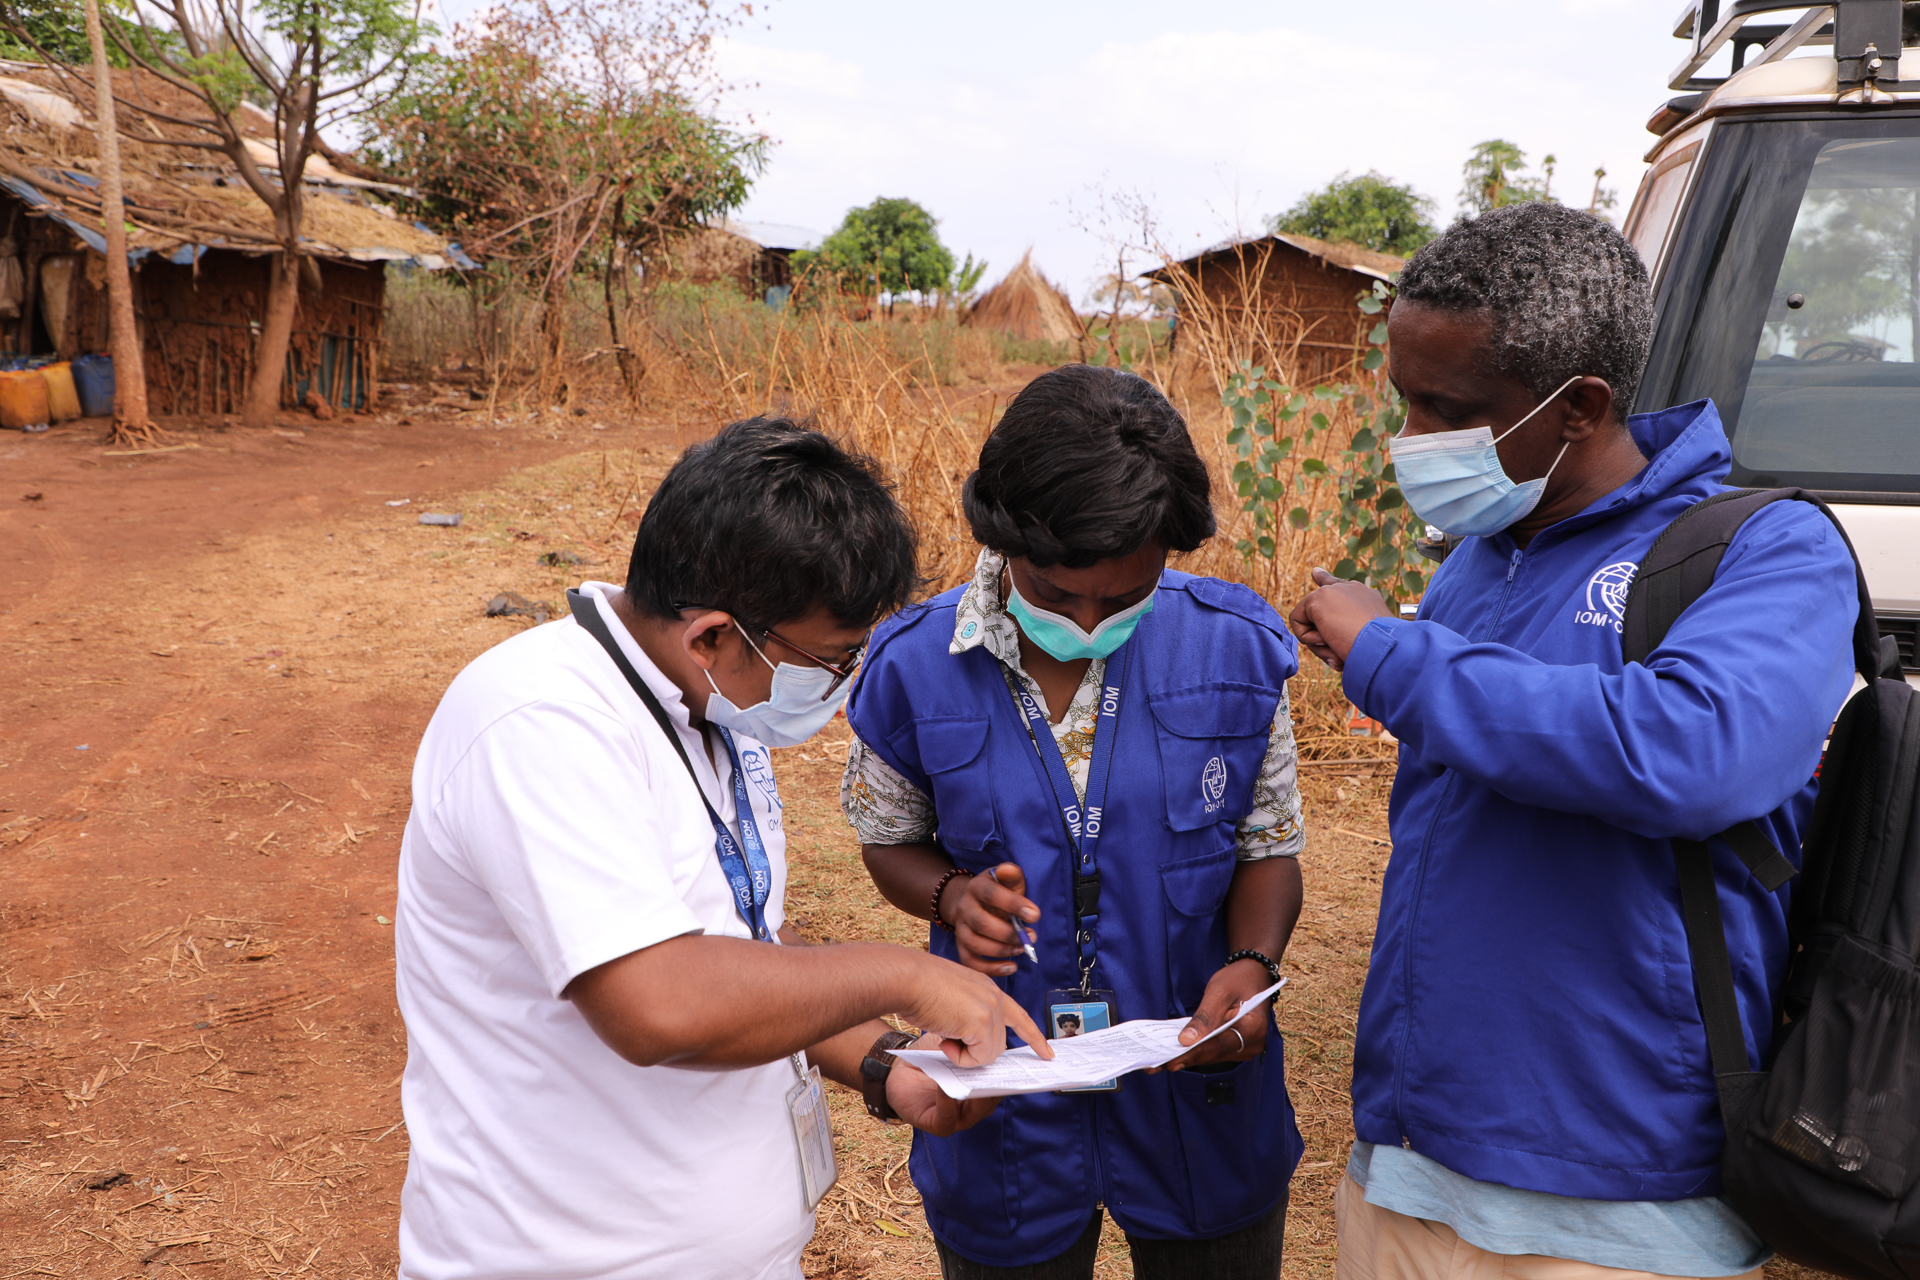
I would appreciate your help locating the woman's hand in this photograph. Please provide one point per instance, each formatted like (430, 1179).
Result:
(916, 1099)
(982, 910)
(1225, 991)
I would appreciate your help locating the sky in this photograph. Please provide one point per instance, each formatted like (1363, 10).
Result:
(1017, 123)
(1031, 123)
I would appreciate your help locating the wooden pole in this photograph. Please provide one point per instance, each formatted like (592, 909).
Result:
(131, 425)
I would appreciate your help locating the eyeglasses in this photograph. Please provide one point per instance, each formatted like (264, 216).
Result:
(842, 671)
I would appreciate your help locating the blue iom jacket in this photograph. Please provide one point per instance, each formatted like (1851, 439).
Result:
(1529, 1016)
(1181, 1155)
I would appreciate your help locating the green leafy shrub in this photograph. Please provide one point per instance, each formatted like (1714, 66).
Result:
(1357, 497)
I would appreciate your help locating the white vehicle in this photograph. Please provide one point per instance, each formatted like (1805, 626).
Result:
(1781, 221)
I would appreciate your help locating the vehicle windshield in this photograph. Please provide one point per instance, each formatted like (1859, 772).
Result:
(1802, 249)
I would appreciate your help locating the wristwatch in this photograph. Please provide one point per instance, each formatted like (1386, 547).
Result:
(874, 1070)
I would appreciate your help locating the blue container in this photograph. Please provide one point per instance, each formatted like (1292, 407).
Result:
(93, 379)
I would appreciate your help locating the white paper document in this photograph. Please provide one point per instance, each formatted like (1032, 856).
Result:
(1078, 1061)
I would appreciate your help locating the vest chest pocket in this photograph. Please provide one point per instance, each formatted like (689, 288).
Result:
(1212, 738)
(953, 751)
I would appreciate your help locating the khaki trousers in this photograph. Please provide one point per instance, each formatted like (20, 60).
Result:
(1379, 1244)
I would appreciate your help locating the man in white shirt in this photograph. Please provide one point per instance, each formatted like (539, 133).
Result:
(605, 1074)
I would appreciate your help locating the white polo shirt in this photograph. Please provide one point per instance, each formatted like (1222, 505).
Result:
(554, 829)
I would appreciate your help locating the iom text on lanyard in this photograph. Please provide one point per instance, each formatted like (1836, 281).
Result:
(1084, 1009)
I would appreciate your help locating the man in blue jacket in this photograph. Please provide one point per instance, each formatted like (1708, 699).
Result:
(1532, 1094)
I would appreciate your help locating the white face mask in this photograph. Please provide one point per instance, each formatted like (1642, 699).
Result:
(794, 711)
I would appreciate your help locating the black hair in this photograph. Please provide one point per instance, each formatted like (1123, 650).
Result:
(768, 519)
(1567, 293)
(1088, 464)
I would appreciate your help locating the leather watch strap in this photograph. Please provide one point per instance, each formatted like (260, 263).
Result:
(874, 1070)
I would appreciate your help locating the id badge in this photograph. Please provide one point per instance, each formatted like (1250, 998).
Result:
(807, 1105)
(1074, 1013)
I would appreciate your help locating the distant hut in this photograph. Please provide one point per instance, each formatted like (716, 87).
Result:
(1027, 305)
(197, 240)
(755, 257)
(1314, 284)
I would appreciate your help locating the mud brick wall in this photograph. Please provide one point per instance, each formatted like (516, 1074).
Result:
(1289, 282)
(199, 324)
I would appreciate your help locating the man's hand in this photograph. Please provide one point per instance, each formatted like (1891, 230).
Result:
(677, 1002)
(1332, 616)
(1225, 991)
(916, 1099)
(969, 1014)
(982, 910)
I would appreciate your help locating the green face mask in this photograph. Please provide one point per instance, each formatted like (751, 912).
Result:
(1063, 638)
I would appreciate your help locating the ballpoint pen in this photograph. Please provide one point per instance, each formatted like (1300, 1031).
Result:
(1027, 936)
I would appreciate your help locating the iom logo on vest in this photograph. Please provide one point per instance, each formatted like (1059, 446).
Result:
(1213, 783)
(1607, 596)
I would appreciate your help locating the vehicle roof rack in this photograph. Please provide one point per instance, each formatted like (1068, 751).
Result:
(1865, 35)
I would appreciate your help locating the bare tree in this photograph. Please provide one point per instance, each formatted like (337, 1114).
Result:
(131, 425)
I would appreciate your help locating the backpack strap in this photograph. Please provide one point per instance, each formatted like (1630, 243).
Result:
(1677, 571)
(1683, 560)
(1712, 966)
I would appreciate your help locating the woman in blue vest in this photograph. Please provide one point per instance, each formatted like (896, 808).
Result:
(1099, 747)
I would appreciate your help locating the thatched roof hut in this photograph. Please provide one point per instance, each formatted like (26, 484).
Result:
(1027, 305)
(755, 256)
(1297, 285)
(197, 241)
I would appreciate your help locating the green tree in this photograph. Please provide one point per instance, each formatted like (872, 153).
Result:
(1494, 177)
(889, 247)
(54, 28)
(309, 64)
(966, 280)
(1371, 210)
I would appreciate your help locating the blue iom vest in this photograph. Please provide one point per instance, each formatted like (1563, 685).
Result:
(1181, 1155)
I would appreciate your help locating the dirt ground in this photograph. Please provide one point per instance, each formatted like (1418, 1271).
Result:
(219, 660)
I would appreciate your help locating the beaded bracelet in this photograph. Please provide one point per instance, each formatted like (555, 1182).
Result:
(1273, 970)
(941, 887)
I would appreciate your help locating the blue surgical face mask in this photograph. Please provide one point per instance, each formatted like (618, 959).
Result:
(795, 708)
(1454, 481)
(1062, 637)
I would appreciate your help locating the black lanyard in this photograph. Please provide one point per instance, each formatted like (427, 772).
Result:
(1083, 825)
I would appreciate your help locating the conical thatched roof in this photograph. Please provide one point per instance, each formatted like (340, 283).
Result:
(1027, 305)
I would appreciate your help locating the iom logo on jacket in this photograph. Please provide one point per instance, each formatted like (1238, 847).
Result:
(1213, 783)
(1607, 596)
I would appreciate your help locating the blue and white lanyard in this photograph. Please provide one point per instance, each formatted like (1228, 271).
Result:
(751, 876)
(1083, 825)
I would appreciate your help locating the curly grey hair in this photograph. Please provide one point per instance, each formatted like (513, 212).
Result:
(1568, 295)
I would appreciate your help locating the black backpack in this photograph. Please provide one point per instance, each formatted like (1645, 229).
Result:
(1823, 1147)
